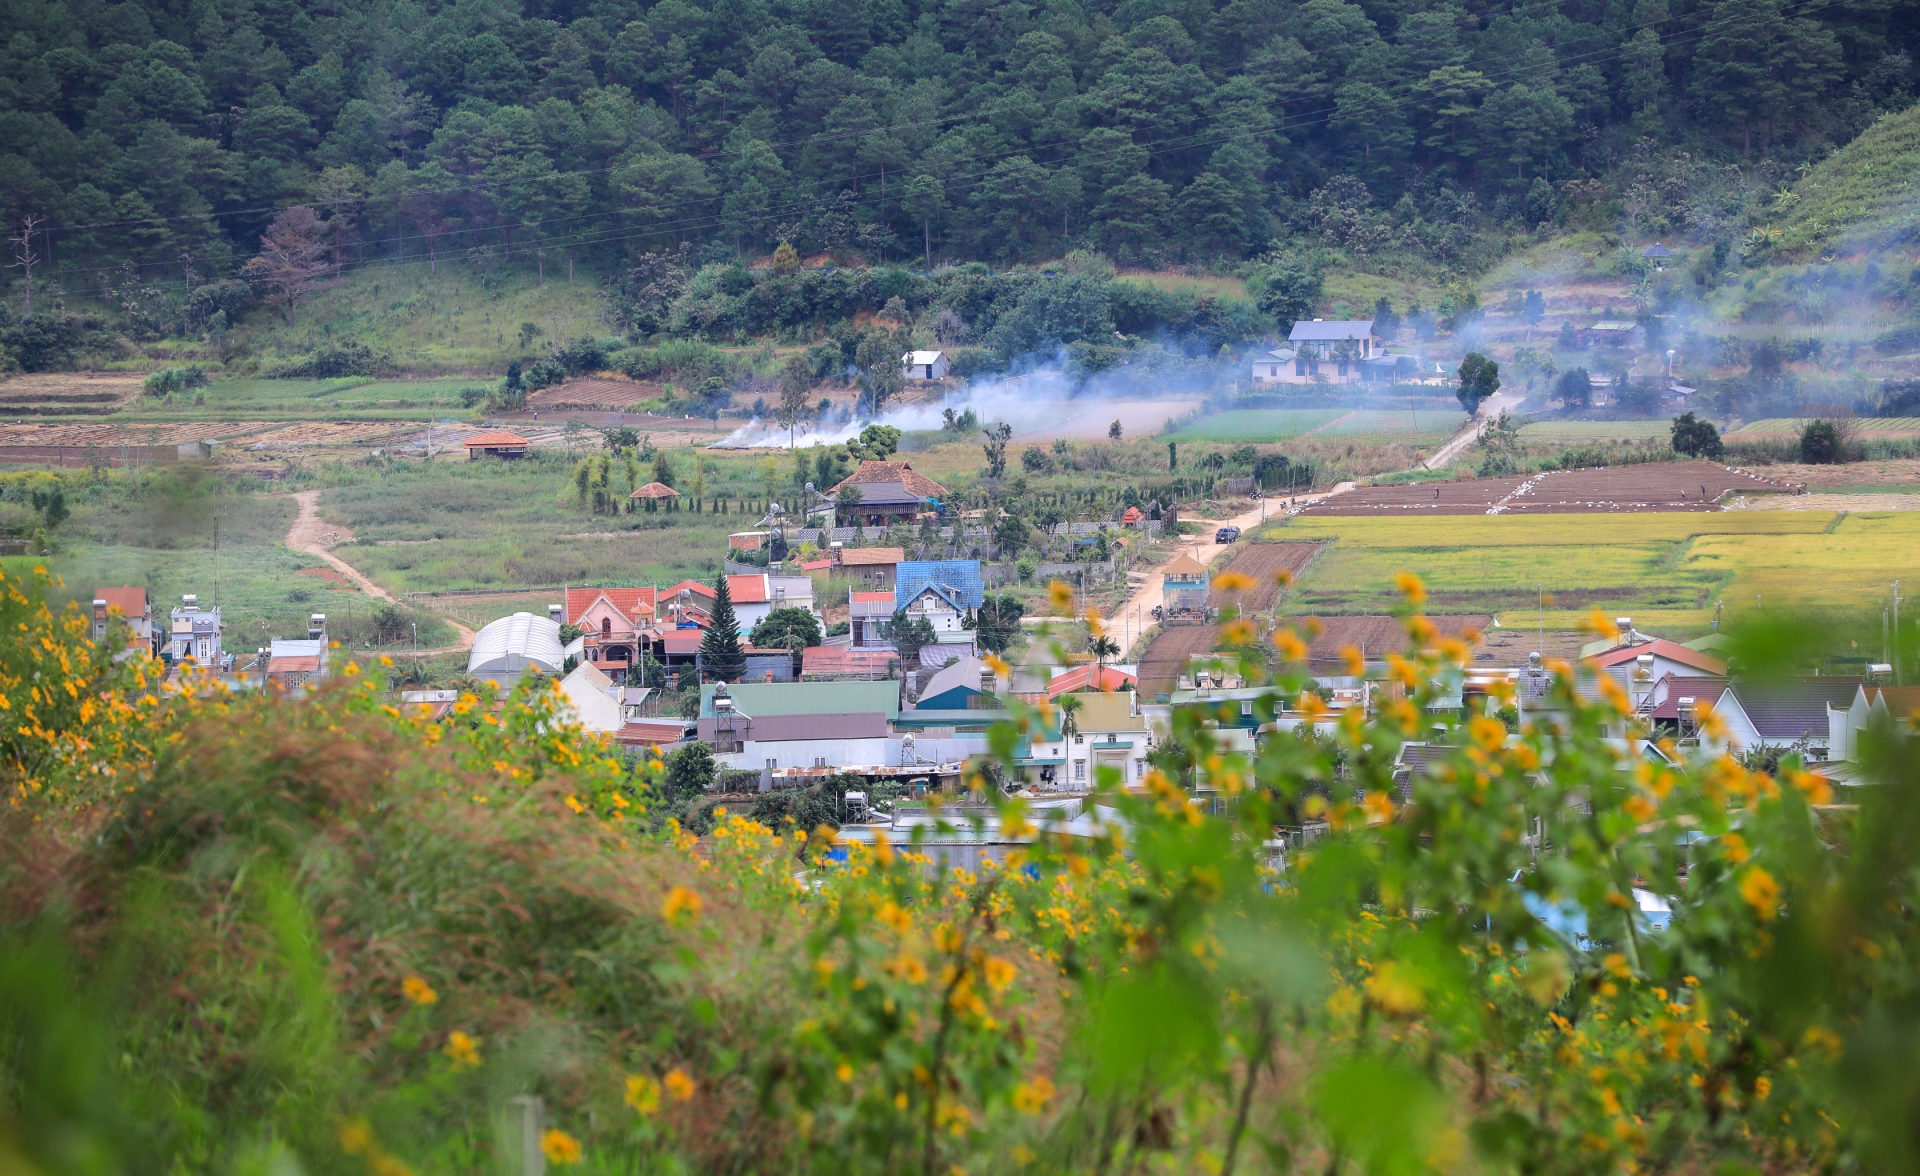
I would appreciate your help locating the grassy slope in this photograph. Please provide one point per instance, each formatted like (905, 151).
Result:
(1666, 569)
(434, 324)
(1864, 196)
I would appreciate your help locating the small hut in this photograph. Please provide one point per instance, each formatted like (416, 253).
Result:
(653, 494)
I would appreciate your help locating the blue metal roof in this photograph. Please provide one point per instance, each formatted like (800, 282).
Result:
(960, 578)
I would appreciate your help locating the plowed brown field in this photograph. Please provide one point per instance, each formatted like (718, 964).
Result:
(1663, 486)
(1261, 561)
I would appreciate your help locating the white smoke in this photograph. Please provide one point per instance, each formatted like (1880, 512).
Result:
(1038, 399)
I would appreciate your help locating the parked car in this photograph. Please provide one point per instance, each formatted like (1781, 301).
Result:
(1226, 534)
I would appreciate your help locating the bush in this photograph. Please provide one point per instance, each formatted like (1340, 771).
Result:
(1820, 444)
(336, 360)
(1693, 437)
(174, 379)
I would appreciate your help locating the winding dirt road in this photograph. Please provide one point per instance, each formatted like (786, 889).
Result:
(309, 533)
(1470, 432)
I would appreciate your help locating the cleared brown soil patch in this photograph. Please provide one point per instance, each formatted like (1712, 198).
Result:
(1261, 561)
(1373, 636)
(1890, 472)
(593, 392)
(1169, 655)
(327, 574)
(306, 433)
(160, 433)
(68, 392)
(1662, 486)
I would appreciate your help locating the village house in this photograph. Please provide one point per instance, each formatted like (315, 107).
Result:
(872, 569)
(1320, 351)
(195, 633)
(611, 620)
(511, 446)
(1103, 731)
(889, 491)
(924, 365)
(943, 593)
(293, 664)
(132, 606)
(1185, 583)
(868, 614)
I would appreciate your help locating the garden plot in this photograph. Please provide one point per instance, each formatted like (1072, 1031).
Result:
(1074, 421)
(1170, 655)
(1257, 425)
(593, 393)
(105, 435)
(68, 393)
(1863, 427)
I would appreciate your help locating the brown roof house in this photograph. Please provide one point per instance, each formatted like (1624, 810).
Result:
(132, 605)
(874, 569)
(889, 490)
(507, 445)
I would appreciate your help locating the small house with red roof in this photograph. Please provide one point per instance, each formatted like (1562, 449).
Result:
(131, 605)
(874, 568)
(511, 446)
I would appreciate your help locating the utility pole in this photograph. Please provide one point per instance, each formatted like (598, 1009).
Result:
(1898, 677)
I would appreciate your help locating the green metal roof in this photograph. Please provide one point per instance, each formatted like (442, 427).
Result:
(766, 699)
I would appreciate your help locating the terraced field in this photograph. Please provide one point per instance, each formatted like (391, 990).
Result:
(1793, 426)
(1256, 425)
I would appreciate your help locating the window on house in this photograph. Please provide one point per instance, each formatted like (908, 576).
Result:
(1079, 738)
(1080, 769)
(606, 626)
(1246, 709)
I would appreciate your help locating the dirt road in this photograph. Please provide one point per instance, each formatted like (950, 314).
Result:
(1470, 432)
(309, 534)
(1136, 616)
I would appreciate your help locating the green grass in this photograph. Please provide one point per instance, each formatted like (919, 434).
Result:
(1252, 425)
(1226, 289)
(435, 324)
(1594, 430)
(1670, 566)
(348, 399)
(1862, 196)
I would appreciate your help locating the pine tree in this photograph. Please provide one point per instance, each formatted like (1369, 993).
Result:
(721, 658)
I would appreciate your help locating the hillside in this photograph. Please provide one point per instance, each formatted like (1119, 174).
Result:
(1865, 196)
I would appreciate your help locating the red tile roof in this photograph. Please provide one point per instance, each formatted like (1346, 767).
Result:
(633, 603)
(699, 589)
(844, 659)
(132, 602)
(747, 589)
(894, 471)
(816, 565)
(1670, 650)
(1081, 678)
(655, 490)
(870, 598)
(497, 441)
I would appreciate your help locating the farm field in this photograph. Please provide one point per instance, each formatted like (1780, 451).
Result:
(1260, 562)
(1664, 569)
(1256, 425)
(1794, 426)
(1172, 650)
(1428, 423)
(1595, 430)
(1668, 486)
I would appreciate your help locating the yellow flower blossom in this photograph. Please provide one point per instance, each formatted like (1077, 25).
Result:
(1233, 582)
(1412, 587)
(643, 1094)
(1032, 1097)
(680, 901)
(1060, 595)
(462, 1050)
(418, 991)
(1356, 664)
(679, 1085)
(1289, 644)
(356, 1136)
(559, 1147)
(1761, 892)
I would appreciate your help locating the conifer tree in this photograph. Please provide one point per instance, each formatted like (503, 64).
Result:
(721, 658)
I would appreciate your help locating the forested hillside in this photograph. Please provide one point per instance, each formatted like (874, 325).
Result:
(169, 135)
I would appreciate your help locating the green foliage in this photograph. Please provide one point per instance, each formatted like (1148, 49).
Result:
(997, 622)
(1479, 379)
(791, 628)
(909, 635)
(1574, 388)
(876, 443)
(690, 772)
(1820, 444)
(1693, 437)
(721, 657)
(173, 379)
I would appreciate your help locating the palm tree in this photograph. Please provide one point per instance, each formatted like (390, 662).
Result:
(1101, 647)
(1070, 716)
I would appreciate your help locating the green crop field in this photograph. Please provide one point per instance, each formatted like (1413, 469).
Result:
(345, 399)
(1664, 568)
(1398, 422)
(1595, 430)
(1777, 426)
(1255, 425)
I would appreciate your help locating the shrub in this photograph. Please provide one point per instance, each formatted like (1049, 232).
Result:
(173, 379)
(1820, 444)
(1693, 437)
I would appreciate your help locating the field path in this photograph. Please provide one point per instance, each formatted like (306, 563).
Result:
(1343, 417)
(1490, 412)
(308, 534)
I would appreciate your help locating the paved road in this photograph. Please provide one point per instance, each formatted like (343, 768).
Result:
(308, 534)
(1470, 432)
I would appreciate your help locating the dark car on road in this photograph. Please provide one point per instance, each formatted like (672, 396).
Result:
(1226, 534)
